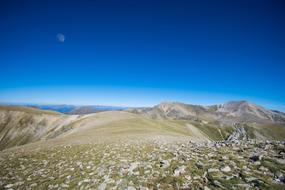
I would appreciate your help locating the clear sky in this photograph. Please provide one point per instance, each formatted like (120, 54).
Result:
(141, 52)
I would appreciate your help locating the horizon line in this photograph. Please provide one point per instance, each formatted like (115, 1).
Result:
(126, 106)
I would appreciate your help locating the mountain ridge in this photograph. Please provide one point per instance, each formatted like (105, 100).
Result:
(229, 112)
(24, 125)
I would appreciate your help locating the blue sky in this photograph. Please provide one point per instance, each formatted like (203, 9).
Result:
(139, 53)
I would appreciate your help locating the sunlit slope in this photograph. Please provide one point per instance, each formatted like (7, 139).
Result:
(116, 125)
(22, 125)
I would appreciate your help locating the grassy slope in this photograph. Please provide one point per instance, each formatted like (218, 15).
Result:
(121, 124)
(28, 110)
(131, 126)
(270, 131)
(22, 125)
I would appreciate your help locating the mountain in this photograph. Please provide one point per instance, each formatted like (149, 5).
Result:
(81, 110)
(23, 125)
(168, 146)
(76, 110)
(228, 113)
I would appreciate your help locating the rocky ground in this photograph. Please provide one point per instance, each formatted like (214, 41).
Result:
(147, 165)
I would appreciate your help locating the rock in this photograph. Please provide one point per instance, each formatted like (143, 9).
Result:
(64, 185)
(188, 177)
(279, 177)
(9, 185)
(255, 158)
(256, 183)
(244, 185)
(131, 188)
(262, 168)
(249, 179)
(217, 184)
(226, 169)
(258, 163)
(133, 167)
(238, 134)
(164, 164)
(210, 170)
(200, 165)
(206, 188)
(102, 186)
(179, 170)
(33, 185)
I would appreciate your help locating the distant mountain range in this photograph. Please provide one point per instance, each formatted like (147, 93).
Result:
(75, 109)
(21, 125)
(228, 113)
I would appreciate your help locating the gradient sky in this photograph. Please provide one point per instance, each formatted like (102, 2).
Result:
(142, 52)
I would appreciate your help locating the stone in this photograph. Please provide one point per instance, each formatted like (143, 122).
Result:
(226, 169)
(64, 185)
(255, 158)
(279, 177)
(164, 164)
(257, 163)
(200, 165)
(210, 170)
(217, 183)
(179, 170)
(102, 186)
(9, 185)
(131, 188)
(133, 166)
(188, 177)
(206, 188)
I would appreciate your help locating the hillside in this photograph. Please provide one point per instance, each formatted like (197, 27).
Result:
(228, 113)
(169, 146)
(22, 125)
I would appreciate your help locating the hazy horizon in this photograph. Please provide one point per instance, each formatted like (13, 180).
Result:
(125, 98)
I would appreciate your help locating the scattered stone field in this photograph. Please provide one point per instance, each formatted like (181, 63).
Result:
(146, 165)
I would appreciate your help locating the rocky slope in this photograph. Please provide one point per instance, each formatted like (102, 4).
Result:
(146, 165)
(22, 125)
(228, 113)
(170, 146)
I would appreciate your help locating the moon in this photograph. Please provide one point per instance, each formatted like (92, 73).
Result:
(60, 37)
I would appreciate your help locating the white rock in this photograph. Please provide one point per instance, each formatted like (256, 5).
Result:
(206, 188)
(210, 170)
(64, 185)
(131, 188)
(179, 170)
(226, 169)
(9, 186)
(102, 186)
(133, 166)
(164, 164)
